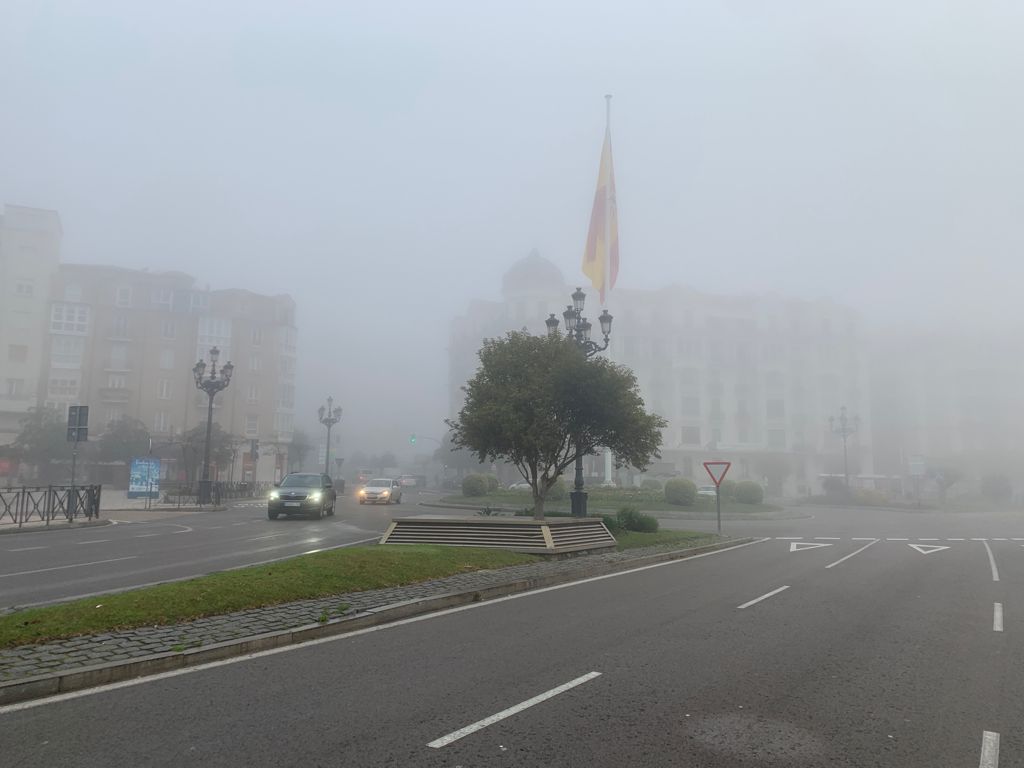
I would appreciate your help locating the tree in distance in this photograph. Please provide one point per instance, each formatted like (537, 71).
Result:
(124, 440)
(538, 403)
(43, 441)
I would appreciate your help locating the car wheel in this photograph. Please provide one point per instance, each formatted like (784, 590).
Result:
(362, 501)
(272, 515)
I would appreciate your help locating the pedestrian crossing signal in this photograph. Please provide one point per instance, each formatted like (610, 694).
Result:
(412, 439)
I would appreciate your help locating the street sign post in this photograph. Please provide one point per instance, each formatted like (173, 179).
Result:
(78, 431)
(717, 470)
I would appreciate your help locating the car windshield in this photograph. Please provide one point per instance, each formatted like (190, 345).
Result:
(379, 483)
(301, 481)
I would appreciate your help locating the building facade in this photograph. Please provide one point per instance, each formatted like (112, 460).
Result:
(751, 379)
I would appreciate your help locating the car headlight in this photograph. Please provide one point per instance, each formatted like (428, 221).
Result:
(275, 495)
(315, 496)
(362, 491)
(385, 493)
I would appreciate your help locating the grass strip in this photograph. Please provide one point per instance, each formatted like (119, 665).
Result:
(633, 539)
(597, 504)
(334, 572)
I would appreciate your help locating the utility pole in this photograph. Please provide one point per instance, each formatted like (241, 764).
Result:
(844, 427)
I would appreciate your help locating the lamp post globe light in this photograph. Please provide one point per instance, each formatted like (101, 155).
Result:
(211, 384)
(329, 416)
(578, 330)
(844, 427)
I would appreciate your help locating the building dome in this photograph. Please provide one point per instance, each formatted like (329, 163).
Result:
(532, 276)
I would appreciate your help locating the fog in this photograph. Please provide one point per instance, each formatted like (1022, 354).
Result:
(385, 163)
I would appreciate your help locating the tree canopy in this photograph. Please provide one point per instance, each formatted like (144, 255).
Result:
(42, 441)
(124, 440)
(538, 403)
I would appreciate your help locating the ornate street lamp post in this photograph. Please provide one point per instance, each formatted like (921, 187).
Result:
(844, 427)
(578, 330)
(211, 385)
(329, 416)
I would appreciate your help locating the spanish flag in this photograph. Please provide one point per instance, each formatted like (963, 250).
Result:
(601, 257)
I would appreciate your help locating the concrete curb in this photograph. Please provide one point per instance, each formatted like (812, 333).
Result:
(40, 686)
(55, 527)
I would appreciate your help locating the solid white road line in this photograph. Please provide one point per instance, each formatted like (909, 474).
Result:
(997, 617)
(94, 541)
(147, 535)
(855, 552)
(357, 633)
(479, 725)
(25, 549)
(992, 562)
(63, 567)
(762, 597)
(989, 750)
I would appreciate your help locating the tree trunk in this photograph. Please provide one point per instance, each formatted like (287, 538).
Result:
(538, 507)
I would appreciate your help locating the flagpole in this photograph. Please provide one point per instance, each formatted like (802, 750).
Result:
(608, 249)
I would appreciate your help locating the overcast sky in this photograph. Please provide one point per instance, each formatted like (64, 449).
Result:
(385, 162)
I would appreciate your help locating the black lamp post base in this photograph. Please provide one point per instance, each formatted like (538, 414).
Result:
(205, 495)
(578, 500)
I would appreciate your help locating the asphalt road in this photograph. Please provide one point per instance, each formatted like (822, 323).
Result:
(43, 566)
(820, 650)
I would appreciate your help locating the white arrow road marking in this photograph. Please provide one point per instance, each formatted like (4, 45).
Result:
(989, 750)
(444, 741)
(796, 546)
(927, 549)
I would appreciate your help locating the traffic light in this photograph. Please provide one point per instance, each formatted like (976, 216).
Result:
(412, 439)
(254, 449)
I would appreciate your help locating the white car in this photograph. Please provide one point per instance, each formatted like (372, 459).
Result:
(707, 490)
(519, 487)
(381, 490)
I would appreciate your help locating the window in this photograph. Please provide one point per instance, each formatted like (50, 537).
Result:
(163, 389)
(214, 332)
(166, 359)
(119, 357)
(283, 423)
(66, 351)
(198, 301)
(15, 387)
(113, 416)
(690, 406)
(286, 397)
(161, 422)
(252, 425)
(691, 436)
(24, 288)
(775, 409)
(17, 353)
(168, 330)
(116, 381)
(121, 327)
(256, 337)
(255, 363)
(163, 298)
(776, 438)
(69, 318)
(72, 292)
(254, 393)
(123, 297)
(62, 387)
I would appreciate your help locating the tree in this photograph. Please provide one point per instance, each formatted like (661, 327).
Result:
(124, 440)
(457, 459)
(538, 402)
(298, 450)
(194, 445)
(42, 441)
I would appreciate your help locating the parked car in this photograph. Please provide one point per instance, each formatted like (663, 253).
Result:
(519, 487)
(302, 493)
(707, 490)
(407, 481)
(381, 490)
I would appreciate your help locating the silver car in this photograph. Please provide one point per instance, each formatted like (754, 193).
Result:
(381, 490)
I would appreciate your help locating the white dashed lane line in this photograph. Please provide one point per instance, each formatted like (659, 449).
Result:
(25, 549)
(997, 617)
(989, 750)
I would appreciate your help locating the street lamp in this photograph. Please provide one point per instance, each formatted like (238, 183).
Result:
(578, 330)
(329, 416)
(211, 385)
(844, 427)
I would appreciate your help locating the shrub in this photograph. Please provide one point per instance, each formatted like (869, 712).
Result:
(632, 519)
(474, 485)
(834, 486)
(749, 492)
(611, 522)
(559, 491)
(680, 491)
(651, 484)
(728, 490)
(492, 483)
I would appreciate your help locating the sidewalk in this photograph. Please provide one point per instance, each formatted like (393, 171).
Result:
(49, 659)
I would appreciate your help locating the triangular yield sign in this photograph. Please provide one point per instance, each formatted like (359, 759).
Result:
(927, 549)
(796, 546)
(717, 470)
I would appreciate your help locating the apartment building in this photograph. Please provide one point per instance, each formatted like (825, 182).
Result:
(30, 240)
(751, 379)
(124, 342)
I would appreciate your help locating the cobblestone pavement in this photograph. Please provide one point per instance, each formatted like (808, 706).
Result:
(30, 660)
